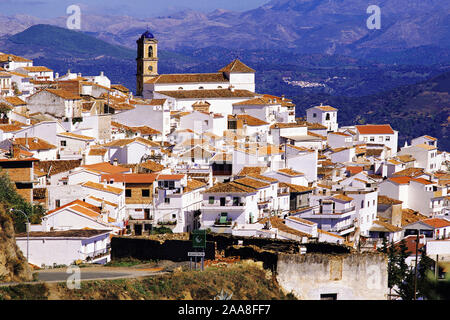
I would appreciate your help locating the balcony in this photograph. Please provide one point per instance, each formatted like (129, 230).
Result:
(228, 205)
(343, 230)
(97, 254)
(336, 211)
(219, 222)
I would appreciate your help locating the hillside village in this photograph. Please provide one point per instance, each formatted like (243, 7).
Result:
(206, 151)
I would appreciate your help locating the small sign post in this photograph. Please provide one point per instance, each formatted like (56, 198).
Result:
(198, 242)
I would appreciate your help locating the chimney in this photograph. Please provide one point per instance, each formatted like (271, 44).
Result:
(101, 74)
(15, 150)
(26, 140)
(56, 75)
(282, 97)
(231, 88)
(79, 74)
(115, 161)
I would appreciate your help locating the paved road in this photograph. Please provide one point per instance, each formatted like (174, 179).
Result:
(93, 273)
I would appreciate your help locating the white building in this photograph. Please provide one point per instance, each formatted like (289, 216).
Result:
(324, 115)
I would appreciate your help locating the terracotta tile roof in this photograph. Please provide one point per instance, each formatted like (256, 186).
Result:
(330, 234)
(130, 177)
(325, 108)
(252, 183)
(250, 121)
(105, 168)
(78, 203)
(247, 170)
(342, 197)
(230, 187)
(311, 126)
(15, 101)
(354, 169)
(261, 177)
(374, 152)
(75, 136)
(197, 153)
(10, 127)
(340, 134)
(67, 95)
(410, 216)
(279, 224)
(208, 93)
(53, 167)
(4, 57)
(294, 187)
(190, 78)
(425, 146)
(375, 129)
(152, 166)
(124, 142)
(263, 101)
(34, 143)
(283, 125)
(409, 172)
(161, 177)
(193, 184)
(321, 137)
(291, 172)
(120, 87)
(400, 180)
(95, 151)
(112, 204)
(102, 187)
(302, 220)
(37, 69)
(430, 138)
(237, 66)
(387, 200)
(422, 181)
(382, 226)
(437, 222)
(410, 242)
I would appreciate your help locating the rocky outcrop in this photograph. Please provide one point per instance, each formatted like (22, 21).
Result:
(13, 264)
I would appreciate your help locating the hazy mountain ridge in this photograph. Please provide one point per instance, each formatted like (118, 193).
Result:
(305, 26)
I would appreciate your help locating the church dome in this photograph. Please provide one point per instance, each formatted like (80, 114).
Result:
(147, 34)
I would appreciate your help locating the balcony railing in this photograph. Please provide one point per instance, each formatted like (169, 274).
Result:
(97, 254)
(217, 222)
(227, 204)
(337, 211)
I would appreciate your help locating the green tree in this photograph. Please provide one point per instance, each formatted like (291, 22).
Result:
(11, 199)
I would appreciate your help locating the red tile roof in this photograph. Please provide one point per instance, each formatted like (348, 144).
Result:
(375, 129)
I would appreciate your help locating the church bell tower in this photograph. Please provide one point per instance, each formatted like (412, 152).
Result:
(147, 60)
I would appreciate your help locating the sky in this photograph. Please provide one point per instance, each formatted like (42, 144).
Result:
(134, 8)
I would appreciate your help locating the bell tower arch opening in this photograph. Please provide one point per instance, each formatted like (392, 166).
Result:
(146, 61)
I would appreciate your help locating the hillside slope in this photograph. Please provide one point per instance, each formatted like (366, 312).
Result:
(13, 265)
(413, 110)
(243, 281)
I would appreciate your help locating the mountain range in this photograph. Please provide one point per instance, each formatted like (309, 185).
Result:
(412, 31)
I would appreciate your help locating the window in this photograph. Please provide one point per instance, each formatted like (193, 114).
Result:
(57, 203)
(180, 88)
(211, 200)
(327, 117)
(222, 202)
(380, 139)
(387, 138)
(362, 203)
(146, 193)
(63, 143)
(127, 193)
(372, 139)
(314, 115)
(200, 88)
(166, 200)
